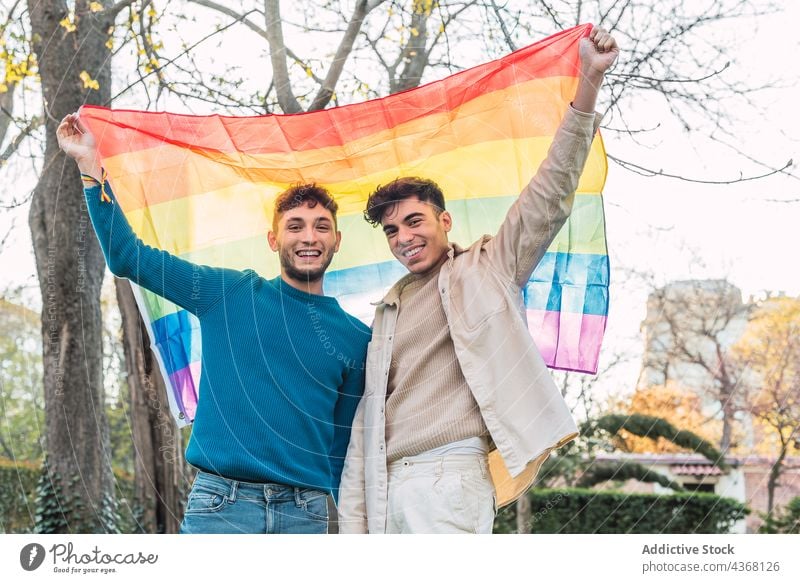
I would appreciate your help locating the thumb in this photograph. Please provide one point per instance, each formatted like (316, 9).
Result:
(79, 124)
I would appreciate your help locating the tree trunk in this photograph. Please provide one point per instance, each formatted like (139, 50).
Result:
(70, 267)
(728, 418)
(159, 465)
(524, 514)
(774, 476)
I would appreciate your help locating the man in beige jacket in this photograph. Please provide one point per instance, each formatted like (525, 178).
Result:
(459, 410)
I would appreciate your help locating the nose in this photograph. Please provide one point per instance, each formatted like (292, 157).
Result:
(309, 235)
(404, 235)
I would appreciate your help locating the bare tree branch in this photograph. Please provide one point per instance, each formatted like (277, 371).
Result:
(12, 147)
(443, 32)
(277, 52)
(185, 51)
(342, 52)
(238, 16)
(6, 110)
(10, 17)
(552, 14)
(631, 77)
(688, 325)
(114, 10)
(413, 56)
(243, 18)
(7, 98)
(641, 170)
(145, 33)
(509, 41)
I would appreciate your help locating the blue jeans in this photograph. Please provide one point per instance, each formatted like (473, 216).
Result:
(217, 505)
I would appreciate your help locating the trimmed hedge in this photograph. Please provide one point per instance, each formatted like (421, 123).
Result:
(18, 498)
(783, 521)
(584, 511)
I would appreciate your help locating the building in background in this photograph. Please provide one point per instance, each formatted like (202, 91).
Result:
(689, 330)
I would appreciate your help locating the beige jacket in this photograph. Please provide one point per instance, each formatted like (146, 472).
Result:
(481, 295)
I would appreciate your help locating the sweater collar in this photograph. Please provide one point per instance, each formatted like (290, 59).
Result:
(305, 297)
(393, 295)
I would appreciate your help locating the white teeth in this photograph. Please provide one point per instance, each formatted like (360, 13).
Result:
(309, 253)
(413, 252)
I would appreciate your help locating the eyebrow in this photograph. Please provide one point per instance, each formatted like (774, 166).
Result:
(407, 218)
(302, 221)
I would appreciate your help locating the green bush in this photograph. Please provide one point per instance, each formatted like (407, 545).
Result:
(24, 497)
(17, 495)
(577, 510)
(786, 521)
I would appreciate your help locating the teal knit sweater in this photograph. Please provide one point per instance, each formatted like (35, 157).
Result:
(282, 370)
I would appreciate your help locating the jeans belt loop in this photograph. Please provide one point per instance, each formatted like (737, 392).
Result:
(234, 488)
(439, 466)
(297, 499)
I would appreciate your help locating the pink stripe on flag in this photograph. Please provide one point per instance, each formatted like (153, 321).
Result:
(186, 382)
(567, 341)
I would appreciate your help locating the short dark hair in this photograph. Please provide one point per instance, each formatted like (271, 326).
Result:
(400, 189)
(309, 194)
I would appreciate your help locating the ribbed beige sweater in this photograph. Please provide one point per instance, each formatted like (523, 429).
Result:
(429, 403)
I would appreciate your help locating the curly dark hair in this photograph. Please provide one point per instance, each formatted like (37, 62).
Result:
(399, 189)
(309, 194)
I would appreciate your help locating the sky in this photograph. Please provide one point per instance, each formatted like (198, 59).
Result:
(662, 227)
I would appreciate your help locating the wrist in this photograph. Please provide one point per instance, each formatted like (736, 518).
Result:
(90, 167)
(593, 76)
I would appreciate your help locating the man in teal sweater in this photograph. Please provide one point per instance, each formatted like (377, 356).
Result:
(282, 365)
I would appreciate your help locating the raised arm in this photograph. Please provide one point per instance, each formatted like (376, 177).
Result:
(193, 287)
(544, 205)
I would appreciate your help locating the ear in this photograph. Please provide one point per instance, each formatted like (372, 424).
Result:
(272, 239)
(446, 220)
(338, 241)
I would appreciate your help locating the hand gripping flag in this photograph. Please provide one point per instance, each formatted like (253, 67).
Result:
(202, 188)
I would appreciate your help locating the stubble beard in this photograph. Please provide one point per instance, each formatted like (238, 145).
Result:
(304, 275)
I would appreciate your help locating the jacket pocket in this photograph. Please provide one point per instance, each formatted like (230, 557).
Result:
(476, 297)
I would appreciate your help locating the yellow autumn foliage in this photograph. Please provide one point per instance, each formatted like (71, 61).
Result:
(88, 82)
(770, 351)
(681, 407)
(68, 24)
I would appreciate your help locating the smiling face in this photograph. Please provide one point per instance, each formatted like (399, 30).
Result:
(305, 239)
(416, 235)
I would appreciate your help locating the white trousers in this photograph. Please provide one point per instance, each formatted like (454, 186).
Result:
(440, 494)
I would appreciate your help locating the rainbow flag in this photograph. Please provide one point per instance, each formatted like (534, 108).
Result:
(202, 188)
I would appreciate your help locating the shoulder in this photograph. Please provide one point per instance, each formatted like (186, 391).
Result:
(472, 254)
(475, 247)
(235, 278)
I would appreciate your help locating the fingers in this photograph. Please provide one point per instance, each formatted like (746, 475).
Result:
(67, 125)
(66, 122)
(78, 124)
(602, 39)
(64, 130)
(70, 135)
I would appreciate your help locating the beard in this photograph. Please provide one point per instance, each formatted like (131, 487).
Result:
(287, 258)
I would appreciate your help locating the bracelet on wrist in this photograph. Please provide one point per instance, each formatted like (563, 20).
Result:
(89, 181)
